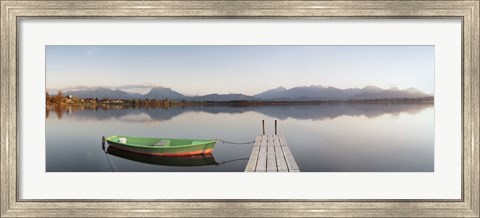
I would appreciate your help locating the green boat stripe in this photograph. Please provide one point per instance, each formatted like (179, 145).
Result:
(193, 142)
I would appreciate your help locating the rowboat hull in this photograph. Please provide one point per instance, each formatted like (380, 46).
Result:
(173, 147)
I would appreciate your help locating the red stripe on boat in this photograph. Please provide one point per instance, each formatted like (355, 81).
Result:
(206, 151)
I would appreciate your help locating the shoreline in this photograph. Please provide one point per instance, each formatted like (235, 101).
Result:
(171, 103)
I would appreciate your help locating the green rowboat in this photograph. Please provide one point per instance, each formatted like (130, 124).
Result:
(161, 146)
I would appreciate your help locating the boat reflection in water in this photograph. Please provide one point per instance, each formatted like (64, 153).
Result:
(187, 161)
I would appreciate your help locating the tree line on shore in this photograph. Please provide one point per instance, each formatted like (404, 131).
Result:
(61, 100)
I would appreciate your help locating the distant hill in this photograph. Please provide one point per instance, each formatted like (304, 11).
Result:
(163, 93)
(300, 93)
(226, 97)
(389, 93)
(315, 93)
(136, 95)
(311, 93)
(100, 93)
(272, 93)
(372, 89)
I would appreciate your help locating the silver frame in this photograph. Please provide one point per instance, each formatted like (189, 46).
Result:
(11, 11)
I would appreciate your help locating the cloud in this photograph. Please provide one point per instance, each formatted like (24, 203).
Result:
(132, 88)
(135, 86)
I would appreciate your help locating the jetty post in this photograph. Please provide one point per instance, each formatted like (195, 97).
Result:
(263, 126)
(275, 127)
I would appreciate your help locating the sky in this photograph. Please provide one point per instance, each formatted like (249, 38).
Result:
(206, 69)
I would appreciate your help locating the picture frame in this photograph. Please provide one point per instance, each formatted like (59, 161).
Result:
(12, 11)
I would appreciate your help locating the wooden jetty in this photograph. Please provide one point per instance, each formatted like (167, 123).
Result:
(270, 153)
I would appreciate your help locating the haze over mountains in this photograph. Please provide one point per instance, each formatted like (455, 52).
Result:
(301, 93)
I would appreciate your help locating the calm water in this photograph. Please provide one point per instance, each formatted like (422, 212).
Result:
(322, 138)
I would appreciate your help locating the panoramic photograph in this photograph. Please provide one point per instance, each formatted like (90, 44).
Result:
(239, 108)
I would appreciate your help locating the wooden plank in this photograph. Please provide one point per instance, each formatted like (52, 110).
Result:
(292, 165)
(271, 159)
(262, 156)
(252, 161)
(270, 153)
(280, 157)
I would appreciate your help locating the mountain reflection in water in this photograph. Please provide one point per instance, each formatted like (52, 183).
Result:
(327, 137)
(301, 112)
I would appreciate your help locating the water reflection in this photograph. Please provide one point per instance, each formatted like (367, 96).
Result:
(193, 160)
(340, 137)
(320, 112)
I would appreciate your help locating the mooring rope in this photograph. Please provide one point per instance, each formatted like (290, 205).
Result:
(110, 164)
(236, 143)
(229, 161)
(106, 156)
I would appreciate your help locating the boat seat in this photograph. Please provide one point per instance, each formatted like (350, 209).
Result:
(162, 143)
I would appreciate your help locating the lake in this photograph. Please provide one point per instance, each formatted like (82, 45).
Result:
(330, 137)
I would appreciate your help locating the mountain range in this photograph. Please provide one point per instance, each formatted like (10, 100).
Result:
(300, 93)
